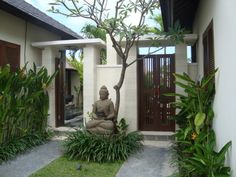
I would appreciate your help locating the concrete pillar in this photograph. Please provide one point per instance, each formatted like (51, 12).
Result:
(181, 58)
(181, 64)
(193, 71)
(129, 91)
(112, 57)
(91, 59)
(48, 60)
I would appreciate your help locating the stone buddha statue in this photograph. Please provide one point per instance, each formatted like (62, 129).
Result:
(103, 115)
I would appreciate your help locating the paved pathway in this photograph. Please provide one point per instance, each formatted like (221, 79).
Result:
(25, 164)
(153, 161)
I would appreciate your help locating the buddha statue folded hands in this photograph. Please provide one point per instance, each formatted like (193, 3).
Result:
(103, 115)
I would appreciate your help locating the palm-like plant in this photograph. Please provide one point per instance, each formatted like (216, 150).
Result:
(195, 153)
(24, 102)
(160, 27)
(91, 31)
(196, 113)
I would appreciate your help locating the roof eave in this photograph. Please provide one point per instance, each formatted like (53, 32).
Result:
(17, 12)
(166, 12)
(178, 10)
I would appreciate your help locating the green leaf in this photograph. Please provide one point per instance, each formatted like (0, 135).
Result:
(186, 132)
(210, 114)
(207, 79)
(221, 154)
(184, 77)
(197, 130)
(180, 84)
(174, 94)
(199, 119)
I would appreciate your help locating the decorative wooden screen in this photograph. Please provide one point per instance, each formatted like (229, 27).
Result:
(60, 90)
(208, 50)
(155, 79)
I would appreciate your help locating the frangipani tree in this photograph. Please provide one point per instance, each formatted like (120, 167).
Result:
(112, 21)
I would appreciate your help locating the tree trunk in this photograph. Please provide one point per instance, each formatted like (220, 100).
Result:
(117, 88)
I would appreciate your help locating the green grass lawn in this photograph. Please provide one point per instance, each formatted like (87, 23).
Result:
(62, 167)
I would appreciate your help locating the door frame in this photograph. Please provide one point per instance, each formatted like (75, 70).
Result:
(60, 90)
(139, 89)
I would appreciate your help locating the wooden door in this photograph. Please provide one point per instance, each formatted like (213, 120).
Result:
(60, 91)
(155, 78)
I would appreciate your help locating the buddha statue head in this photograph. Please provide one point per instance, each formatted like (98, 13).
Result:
(103, 92)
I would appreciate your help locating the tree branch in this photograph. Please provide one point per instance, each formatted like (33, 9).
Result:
(144, 56)
(114, 26)
(76, 7)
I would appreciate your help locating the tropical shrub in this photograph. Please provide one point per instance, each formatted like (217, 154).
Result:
(21, 144)
(205, 161)
(194, 149)
(24, 102)
(83, 145)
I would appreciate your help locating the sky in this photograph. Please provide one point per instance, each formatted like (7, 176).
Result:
(75, 23)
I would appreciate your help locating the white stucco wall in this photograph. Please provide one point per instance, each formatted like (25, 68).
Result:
(109, 75)
(224, 27)
(48, 60)
(16, 30)
(91, 59)
(130, 92)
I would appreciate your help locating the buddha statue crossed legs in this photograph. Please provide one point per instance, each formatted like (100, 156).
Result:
(103, 115)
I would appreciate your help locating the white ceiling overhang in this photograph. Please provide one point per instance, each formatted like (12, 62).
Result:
(70, 44)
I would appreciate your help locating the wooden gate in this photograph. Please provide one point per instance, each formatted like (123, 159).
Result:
(155, 78)
(60, 91)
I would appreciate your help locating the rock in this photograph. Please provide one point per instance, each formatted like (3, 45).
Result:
(78, 167)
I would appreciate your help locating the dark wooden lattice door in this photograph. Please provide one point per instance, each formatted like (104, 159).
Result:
(155, 78)
(60, 91)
